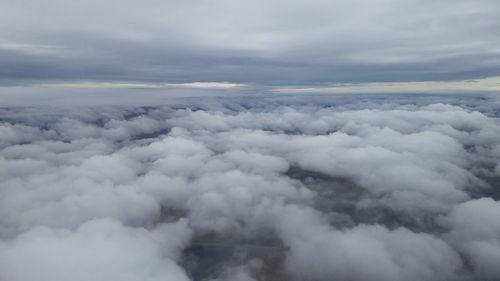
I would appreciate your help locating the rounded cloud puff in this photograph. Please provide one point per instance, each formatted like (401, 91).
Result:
(249, 190)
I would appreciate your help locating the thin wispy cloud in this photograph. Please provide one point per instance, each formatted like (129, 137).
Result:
(486, 85)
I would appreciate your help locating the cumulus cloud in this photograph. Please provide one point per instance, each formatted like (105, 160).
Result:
(97, 250)
(318, 252)
(263, 188)
(475, 230)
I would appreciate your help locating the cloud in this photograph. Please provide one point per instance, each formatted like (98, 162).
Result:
(279, 43)
(98, 250)
(118, 85)
(475, 230)
(310, 187)
(318, 252)
(490, 84)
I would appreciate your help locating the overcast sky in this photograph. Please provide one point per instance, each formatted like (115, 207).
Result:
(268, 43)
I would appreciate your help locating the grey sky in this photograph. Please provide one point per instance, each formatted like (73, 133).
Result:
(271, 43)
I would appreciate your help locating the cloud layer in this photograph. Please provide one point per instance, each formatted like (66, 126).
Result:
(301, 188)
(278, 43)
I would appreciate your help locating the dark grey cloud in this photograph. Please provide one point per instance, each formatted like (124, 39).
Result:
(278, 43)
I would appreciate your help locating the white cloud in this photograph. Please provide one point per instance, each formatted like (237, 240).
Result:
(96, 250)
(322, 188)
(475, 230)
(144, 85)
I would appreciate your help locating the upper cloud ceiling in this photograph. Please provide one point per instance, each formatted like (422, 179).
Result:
(257, 42)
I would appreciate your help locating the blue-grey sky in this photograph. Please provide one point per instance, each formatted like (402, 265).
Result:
(268, 43)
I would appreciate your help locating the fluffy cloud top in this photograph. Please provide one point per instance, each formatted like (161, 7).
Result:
(315, 188)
